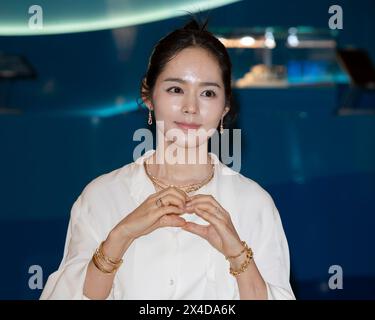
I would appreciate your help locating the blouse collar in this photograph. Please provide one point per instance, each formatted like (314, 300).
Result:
(141, 186)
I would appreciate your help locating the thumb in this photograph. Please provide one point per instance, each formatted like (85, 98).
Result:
(196, 229)
(172, 220)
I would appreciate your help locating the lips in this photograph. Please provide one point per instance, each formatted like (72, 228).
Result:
(184, 125)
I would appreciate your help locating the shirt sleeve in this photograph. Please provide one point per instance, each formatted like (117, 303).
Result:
(80, 244)
(271, 252)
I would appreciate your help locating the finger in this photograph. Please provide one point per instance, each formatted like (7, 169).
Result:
(196, 229)
(175, 191)
(167, 210)
(181, 192)
(208, 204)
(198, 196)
(208, 207)
(172, 190)
(215, 221)
(205, 198)
(171, 220)
(171, 199)
(163, 194)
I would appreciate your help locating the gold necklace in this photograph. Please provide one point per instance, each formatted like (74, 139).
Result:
(189, 187)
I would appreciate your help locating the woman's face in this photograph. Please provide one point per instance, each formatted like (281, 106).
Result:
(190, 90)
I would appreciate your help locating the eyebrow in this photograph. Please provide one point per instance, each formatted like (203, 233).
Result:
(205, 83)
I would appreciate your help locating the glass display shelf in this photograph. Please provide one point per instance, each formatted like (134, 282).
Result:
(278, 57)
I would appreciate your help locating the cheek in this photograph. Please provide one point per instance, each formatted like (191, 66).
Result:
(167, 111)
(211, 114)
(165, 106)
(163, 96)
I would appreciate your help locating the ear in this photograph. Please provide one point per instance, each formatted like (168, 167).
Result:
(226, 110)
(148, 104)
(145, 98)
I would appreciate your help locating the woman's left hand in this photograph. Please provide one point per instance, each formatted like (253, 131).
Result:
(220, 232)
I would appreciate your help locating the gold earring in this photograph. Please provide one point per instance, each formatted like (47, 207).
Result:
(149, 117)
(221, 126)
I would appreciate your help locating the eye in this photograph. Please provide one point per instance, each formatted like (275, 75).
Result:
(209, 93)
(174, 90)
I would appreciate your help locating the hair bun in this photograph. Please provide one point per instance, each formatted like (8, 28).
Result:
(193, 24)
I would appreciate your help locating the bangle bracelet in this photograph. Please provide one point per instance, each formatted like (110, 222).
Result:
(245, 264)
(100, 266)
(236, 256)
(109, 260)
(102, 262)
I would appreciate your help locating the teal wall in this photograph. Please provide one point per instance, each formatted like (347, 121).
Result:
(76, 121)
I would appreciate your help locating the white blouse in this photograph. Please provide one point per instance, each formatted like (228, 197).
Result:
(171, 263)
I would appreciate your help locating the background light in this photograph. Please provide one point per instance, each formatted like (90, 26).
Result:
(90, 15)
(269, 41)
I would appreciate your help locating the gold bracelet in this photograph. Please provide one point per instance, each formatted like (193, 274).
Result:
(100, 266)
(236, 256)
(100, 260)
(109, 260)
(245, 264)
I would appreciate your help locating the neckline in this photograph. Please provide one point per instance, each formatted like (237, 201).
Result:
(150, 152)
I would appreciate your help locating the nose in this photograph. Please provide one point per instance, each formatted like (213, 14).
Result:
(190, 106)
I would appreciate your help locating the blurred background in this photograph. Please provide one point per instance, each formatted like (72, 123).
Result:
(303, 79)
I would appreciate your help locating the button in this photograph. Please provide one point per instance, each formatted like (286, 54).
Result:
(171, 282)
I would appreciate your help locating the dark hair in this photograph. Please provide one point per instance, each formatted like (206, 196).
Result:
(193, 34)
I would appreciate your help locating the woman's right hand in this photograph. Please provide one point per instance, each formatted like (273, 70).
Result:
(144, 219)
(148, 216)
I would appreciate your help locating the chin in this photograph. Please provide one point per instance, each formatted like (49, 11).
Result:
(192, 142)
(182, 138)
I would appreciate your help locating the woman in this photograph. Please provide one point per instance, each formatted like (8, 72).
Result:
(154, 229)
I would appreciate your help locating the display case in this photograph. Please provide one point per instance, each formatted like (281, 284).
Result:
(282, 57)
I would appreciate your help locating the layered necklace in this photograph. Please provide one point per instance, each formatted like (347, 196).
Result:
(186, 188)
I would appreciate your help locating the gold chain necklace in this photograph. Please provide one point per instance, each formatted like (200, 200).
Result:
(189, 187)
